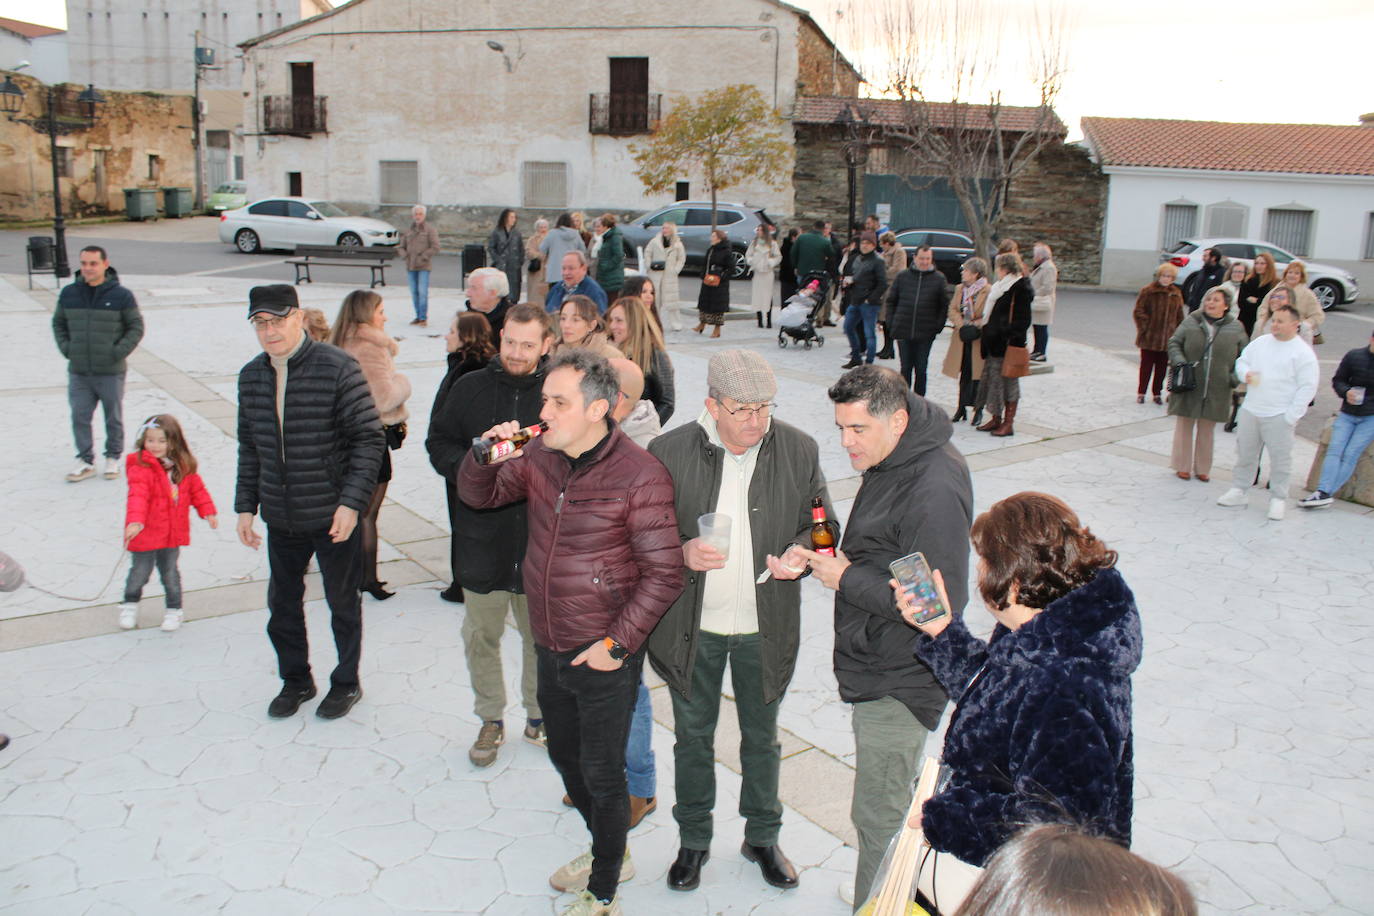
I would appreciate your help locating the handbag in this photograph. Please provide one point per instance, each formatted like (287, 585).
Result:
(1317, 339)
(1183, 377)
(535, 264)
(658, 265)
(1016, 364)
(969, 332)
(711, 280)
(395, 435)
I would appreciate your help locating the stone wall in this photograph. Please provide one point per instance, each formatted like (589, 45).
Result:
(820, 69)
(131, 126)
(1062, 199)
(820, 180)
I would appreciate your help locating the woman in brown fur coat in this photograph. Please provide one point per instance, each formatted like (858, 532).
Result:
(1158, 311)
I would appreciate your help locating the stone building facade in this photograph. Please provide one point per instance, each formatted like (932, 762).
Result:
(471, 108)
(139, 140)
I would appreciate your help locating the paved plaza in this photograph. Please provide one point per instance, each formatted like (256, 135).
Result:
(144, 776)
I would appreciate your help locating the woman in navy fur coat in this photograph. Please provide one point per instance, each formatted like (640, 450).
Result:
(1042, 729)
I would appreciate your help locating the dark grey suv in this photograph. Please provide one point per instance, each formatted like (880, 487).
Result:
(693, 221)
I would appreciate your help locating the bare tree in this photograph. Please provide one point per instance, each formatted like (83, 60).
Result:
(944, 61)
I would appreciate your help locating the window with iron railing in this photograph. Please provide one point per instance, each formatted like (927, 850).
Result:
(1290, 229)
(544, 184)
(624, 113)
(293, 114)
(1180, 222)
(400, 182)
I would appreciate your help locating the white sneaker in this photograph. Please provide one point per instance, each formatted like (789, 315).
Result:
(80, 472)
(847, 892)
(574, 875)
(128, 613)
(1233, 497)
(587, 905)
(1276, 507)
(172, 619)
(111, 468)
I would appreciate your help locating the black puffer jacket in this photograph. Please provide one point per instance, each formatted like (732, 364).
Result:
(917, 304)
(97, 327)
(919, 497)
(491, 542)
(332, 450)
(870, 279)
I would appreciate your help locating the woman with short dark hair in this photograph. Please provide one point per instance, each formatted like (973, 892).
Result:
(506, 251)
(713, 300)
(1042, 732)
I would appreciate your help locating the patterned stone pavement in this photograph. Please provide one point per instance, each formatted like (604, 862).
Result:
(144, 776)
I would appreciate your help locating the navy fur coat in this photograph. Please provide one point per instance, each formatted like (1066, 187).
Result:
(1042, 730)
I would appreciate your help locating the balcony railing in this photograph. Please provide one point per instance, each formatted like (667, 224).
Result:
(293, 114)
(623, 113)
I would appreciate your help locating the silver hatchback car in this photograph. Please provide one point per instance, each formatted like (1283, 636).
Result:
(693, 221)
(1332, 285)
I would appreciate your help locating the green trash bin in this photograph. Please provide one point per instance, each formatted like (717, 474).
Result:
(176, 202)
(140, 203)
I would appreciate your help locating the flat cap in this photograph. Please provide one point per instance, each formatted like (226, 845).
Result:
(276, 299)
(742, 375)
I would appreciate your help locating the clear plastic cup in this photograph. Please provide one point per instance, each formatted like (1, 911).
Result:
(1356, 397)
(714, 528)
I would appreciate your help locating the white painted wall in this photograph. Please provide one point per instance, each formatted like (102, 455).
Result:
(447, 101)
(1135, 213)
(47, 56)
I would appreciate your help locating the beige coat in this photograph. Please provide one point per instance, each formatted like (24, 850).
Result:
(536, 287)
(895, 261)
(1044, 278)
(419, 244)
(374, 350)
(1309, 310)
(955, 354)
(763, 261)
(665, 281)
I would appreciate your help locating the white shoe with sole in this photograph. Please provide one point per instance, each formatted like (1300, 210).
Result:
(80, 472)
(128, 616)
(111, 468)
(574, 875)
(172, 619)
(1233, 497)
(1276, 507)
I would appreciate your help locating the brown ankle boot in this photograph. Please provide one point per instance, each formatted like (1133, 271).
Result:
(992, 424)
(641, 808)
(1005, 429)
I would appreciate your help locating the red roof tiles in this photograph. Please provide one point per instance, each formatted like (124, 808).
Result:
(27, 29)
(1315, 149)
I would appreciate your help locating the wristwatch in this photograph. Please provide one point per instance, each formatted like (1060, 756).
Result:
(615, 649)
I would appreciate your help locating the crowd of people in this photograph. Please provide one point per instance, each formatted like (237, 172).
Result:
(590, 529)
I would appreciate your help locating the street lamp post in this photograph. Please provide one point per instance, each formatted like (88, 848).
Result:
(12, 102)
(855, 158)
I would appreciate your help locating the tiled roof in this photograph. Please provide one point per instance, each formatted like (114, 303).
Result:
(27, 29)
(1316, 149)
(893, 112)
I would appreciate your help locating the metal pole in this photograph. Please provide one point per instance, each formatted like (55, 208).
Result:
(59, 227)
(195, 126)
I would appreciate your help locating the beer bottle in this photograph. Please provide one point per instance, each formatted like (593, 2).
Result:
(822, 534)
(488, 450)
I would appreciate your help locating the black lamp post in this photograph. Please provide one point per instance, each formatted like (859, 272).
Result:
(12, 101)
(855, 157)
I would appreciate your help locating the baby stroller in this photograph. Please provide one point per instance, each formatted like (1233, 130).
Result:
(802, 313)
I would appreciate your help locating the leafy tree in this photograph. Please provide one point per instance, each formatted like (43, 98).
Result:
(729, 136)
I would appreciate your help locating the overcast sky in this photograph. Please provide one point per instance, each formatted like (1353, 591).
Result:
(1225, 60)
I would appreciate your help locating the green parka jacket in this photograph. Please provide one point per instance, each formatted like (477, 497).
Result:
(97, 327)
(787, 476)
(1216, 377)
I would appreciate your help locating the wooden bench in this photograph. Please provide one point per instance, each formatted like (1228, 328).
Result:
(375, 259)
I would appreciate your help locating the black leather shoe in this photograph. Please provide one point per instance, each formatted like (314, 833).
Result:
(338, 701)
(776, 868)
(375, 590)
(453, 593)
(853, 361)
(685, 873)
(285, 704)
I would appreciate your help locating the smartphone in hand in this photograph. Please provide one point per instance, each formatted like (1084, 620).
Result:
(912, 572)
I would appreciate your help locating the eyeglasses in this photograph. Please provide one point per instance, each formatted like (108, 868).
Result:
(274, 323)
(760, 412)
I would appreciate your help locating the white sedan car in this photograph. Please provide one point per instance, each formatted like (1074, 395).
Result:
(285, 222)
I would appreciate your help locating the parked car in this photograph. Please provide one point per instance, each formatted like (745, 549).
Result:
(950, 247)
(1332, 285)
(285, 222)
(229, 196)
(693, 221)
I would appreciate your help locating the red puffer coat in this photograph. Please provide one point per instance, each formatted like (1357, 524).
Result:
(166, 523)
(604, 556)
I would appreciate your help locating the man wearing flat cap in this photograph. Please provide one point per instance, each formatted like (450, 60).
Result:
(738, 460)
(310, 448)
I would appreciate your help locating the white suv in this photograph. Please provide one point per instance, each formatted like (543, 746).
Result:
(1332, 285)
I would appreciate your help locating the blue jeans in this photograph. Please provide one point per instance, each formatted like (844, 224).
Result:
(639, 748)
(419, 292)
(1349, 438)
(861, 327)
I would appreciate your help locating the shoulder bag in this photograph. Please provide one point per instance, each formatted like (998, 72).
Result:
(711, 280)
(1183, 377)
(1016, 364)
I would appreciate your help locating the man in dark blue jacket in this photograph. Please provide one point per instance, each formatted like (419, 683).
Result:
(97, 325)
(917, 308)
(865, 297)
(310, 450)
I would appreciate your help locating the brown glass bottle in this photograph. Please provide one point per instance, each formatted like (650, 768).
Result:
(822, 532)
(485, 451)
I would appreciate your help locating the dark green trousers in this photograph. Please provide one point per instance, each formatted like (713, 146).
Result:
(694, 752)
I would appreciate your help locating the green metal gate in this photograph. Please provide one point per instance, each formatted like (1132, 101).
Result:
(917, 201)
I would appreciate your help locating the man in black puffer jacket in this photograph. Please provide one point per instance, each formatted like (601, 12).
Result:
(310, 450)
(917, 308)
(865, 298)
(96, 325)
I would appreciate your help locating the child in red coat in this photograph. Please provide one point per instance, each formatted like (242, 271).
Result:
(163, 486)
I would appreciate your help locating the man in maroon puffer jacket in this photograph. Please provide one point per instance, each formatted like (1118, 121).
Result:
(603, 564)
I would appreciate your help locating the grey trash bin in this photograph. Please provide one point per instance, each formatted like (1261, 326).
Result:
(40, 253)
(140, 203)
(176, 202)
